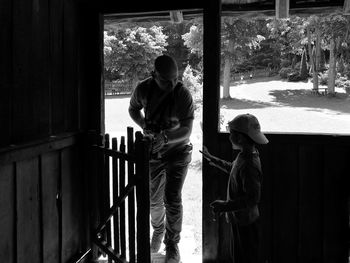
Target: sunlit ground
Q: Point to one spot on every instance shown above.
(289, 107)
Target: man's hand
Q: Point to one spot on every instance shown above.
(218, 206)
(159, 141)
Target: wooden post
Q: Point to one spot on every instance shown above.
(176, 17)
(115, 196)
(105, 193)
(282, 9)
(346, 7)
(131, 197)
(122, 205)
(94, 165)
(142, 197)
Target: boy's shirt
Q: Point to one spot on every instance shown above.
(244, 189)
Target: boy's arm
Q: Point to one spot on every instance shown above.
(216, 162)
(221, 164)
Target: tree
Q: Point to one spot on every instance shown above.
(288, 35)
(310, 24)
(193, 40)
(303, 66)
(131, 51)
(176, 47)
(335, 28)
(239, 37)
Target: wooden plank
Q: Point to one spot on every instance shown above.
(39, 67)
(211, 74)
(28, 212)
(72, 204)
(94, 169)
(282, 8)
(5, 71)
(143, 201)
(336, 210)
(115, 177)
(131, 197)
(91, 33)
(311, 159)
(50, 174)
(70, 66)
(285, 203)
(56, 66)
(22, 100)
(266, 204)
(346, 7)
(35, 148)
(7, 214)
(30, 72)
(106, 192)
(122, 206)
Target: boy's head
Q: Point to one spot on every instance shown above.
(248, 126)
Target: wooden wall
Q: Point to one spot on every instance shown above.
(45, 82)
(41, 76)
(305, 195)
(43, 216)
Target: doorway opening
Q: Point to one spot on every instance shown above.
(131, 43)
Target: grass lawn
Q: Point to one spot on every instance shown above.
(281, 107)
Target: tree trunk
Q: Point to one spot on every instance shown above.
(312, 62)
(135, 81)
(332, 68)
(318, 49)
(227, 70)
(227, 77)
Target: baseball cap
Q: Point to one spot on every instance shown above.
(249, 125)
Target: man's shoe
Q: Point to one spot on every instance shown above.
(156, 242)
(172, 254)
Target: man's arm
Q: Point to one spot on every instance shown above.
(137, 117)
(182, 133)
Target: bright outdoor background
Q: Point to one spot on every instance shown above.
(293, 74)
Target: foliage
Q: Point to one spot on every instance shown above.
(286, 63)
(323, 78)
(294, 77)
(176, 45)
(194, 38)
(284, 72)
(131, 52)
(288, 34)
(193, 81)
(239, 38)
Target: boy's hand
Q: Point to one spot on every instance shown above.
(218, 206)
(206, 154)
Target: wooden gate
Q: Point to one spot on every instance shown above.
(120, 181)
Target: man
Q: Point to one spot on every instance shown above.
(167, 117)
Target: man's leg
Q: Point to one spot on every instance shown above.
(157, 176)
(176, 174)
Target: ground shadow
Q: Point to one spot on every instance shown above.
(255, 80)
(118, 96)
(237, 104)
(304, 98)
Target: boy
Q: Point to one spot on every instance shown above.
(244, 187)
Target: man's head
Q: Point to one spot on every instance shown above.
(248, 126)
(165, 72)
